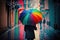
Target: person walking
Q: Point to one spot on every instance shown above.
(29, 29)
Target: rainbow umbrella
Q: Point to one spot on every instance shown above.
(31, 16)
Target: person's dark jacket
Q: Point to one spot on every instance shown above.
(29, 29)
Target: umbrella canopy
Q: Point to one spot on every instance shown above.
(31, 16)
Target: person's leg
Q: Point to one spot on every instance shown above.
(28, 39)
(31, 39)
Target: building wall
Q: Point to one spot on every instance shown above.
(3, 14)
(51, 12)
(3, 20)
(57, 13)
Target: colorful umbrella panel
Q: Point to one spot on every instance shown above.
(31, 16)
